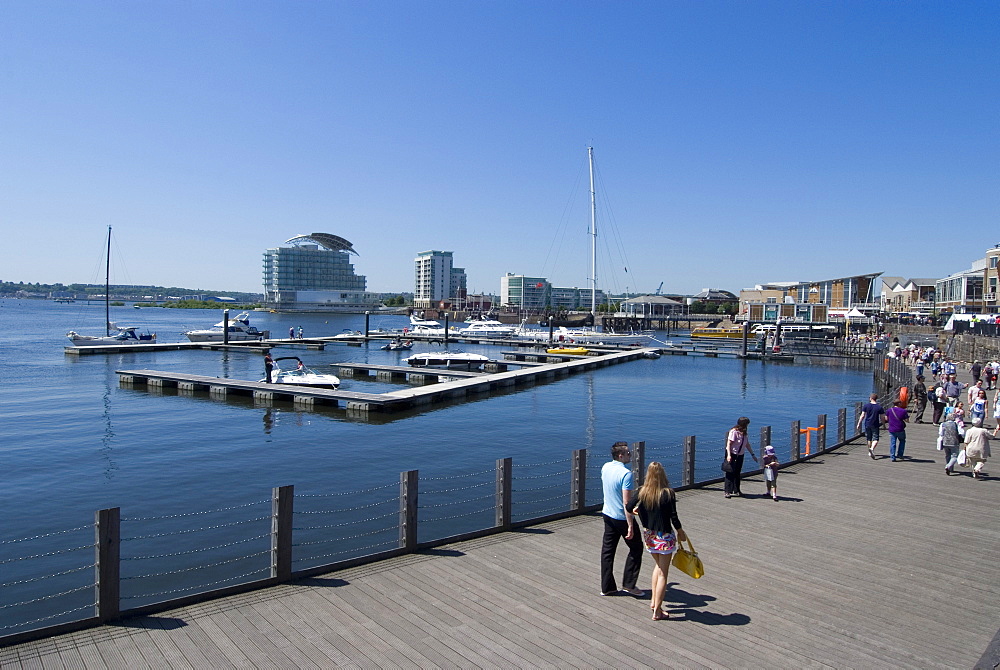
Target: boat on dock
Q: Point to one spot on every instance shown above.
(571, 351)
(450, 360)
(723, 333)
(397, 345)
(300, 375)
(240, 330)
(114, 335)
(488, 328)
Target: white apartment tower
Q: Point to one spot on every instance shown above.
(433, 278)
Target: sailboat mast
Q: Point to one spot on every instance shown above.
(107, 287)
(593, 236)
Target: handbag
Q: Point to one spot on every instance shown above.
(688, 561)
(727, 465)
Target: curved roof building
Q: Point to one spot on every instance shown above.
(315, 273)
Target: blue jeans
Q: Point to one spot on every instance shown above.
(899, 437)
(951, 456)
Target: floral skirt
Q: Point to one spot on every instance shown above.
(659, 543)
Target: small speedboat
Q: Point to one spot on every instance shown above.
(456, 360)
(397, 345)
(240, 330)
(572, 351)
(299, 375)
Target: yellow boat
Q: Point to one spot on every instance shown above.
(572, 351)
(732, 333)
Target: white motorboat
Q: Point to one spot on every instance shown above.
(300, 375)
(565, 335)
(124, 335)
(397, 345)
(114, 335)
(240, 330)
(488, 328)
(428, 328)
(451, 360)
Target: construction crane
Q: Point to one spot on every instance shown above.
(659, 288)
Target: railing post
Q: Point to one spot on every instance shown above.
(504, 470)
(107, 559)
(687, 466)
(857, 419)
(841, 425)
(765, 438)
(578, 490)
(638, 464)
(796, 441)
(821, 433)
(408, 510)
(282, 498)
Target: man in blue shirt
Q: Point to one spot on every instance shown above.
(871, 419)
(619, 523)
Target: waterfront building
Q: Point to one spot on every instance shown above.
(523, 292)
(436, 279)
(653, 306)
(314, 273)
(962, 292)
(913, 296)
(991, 275)
(715, 296)
(857, 294)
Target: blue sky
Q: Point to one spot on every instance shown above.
(736, 142)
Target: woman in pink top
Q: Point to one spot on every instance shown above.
(737, 444)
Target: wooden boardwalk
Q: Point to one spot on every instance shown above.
(863, 564)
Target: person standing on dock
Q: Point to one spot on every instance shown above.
(268, 366)
(737, 446)
(872, 417)
(291, 332)
(300, 332)
(619, 523)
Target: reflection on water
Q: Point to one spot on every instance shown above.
(108, 438)
(268, 421)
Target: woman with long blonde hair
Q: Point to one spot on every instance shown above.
(656, 508)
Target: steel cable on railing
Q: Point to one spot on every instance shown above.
(197, 586)
(348, 523)
(551, 510)
(346, 493)
(457, 502)
(54, 574)
(21, 624)
(458, 488)
(198, 567)
(533, 465)
(551, 474)
(540, 488)
(38, 537)
(348, 509)
(48, 597)
(349, 551)
(49, 553)
(468, 474)
(541, 500)
(459, 516)
(196, 530)
(195, 551)
(347, 537)
(186, 514)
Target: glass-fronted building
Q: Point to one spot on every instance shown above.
(314, 273)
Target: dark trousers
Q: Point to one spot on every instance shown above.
(938, 409)
(921, 406)
(615, 529)
(733, 478)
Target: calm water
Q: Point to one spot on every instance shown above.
(74, 441)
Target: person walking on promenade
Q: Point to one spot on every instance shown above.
(950, 436)
(977, 371)
(616, 480)
(291, 332)
(871, 419)
(938, 401)
(737, 445)
(770, 463)
(973, 393)
(953, 390)
(897, 417)
(977, 447)
(920, 395)
(977, 408)
(268, 367)
(656, 507)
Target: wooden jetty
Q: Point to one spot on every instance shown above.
(443, 384)
(865, 564)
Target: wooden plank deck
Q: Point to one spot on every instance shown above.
(863, 564)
